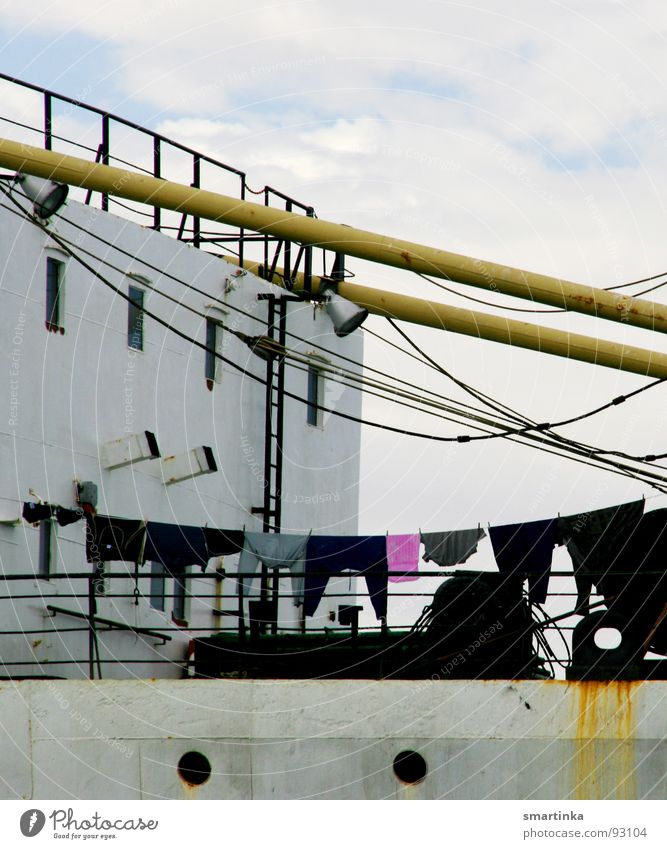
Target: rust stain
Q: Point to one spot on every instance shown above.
(406, 256)
(191, 791)
(585, 299)
(604, 759)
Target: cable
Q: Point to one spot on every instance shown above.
(233, 307)
(478, 300)
(651, 289)
(637, 282)
(527, 423)
(555, 309)
(303, 361)
(610, 465)
(614, 402)
(66, 247)
(478, 395)
(542, 623)
(548, 427)
(304, 364)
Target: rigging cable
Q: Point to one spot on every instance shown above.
(641, 475)
(547, 426)
(495, 405)
(548, 310)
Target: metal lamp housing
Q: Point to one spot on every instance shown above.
(345, 315)
(47, 196)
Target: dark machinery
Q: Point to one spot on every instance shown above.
(479, 625)
(634, 587)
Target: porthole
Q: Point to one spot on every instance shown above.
(194, 768)
(410, 767)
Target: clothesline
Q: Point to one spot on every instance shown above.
(592, 539)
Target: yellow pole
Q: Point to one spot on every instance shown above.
(520, 334)
(336, 237)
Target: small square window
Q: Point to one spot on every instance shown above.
(157, 587)
(45, 548)
(135, 319)
(180, 609)
(313, 413)
(212, 364)
(54, 295)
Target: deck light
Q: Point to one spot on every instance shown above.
(345, 315)
(47, 196)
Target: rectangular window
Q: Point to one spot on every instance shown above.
(212, 340)
(157, 586)
(45, 547)
(54, 285)
(135, 319)
(179, 610)
(313, 415)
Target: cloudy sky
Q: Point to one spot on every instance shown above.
(529, 133)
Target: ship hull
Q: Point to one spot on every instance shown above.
(334, 739)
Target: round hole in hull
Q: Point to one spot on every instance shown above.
(410, 767)
(194, 768)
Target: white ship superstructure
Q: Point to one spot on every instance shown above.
(85, 384)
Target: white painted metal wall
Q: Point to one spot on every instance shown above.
(64, 396)
(334, 739)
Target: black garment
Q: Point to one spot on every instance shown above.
(110, 538)
(594, 540)
(33, 512)
(175, 546)
(633, 580)
(219, 543)
(332, 555)
(528, 548)
(67, 517)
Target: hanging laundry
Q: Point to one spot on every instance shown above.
(403, 556)
(447, 548)
(67, 517)
(34, 512)
(175, 546)
(332, 555)
(594, 540)
(110, 538)
(634, 583)
(527, 548)
(219, 543)
(275, 551)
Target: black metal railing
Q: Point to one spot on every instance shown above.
(78, 596)
(201, 170)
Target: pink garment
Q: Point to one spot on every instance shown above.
(403, 556)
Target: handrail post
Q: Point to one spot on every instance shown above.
(275, 597)
(241, 230)
(48, 122)
(105, 156)
(196, 183)
(157, 169)
(91, 626)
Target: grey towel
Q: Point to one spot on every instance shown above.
(447, 548)
(275, 551)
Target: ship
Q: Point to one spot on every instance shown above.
(183, 358)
